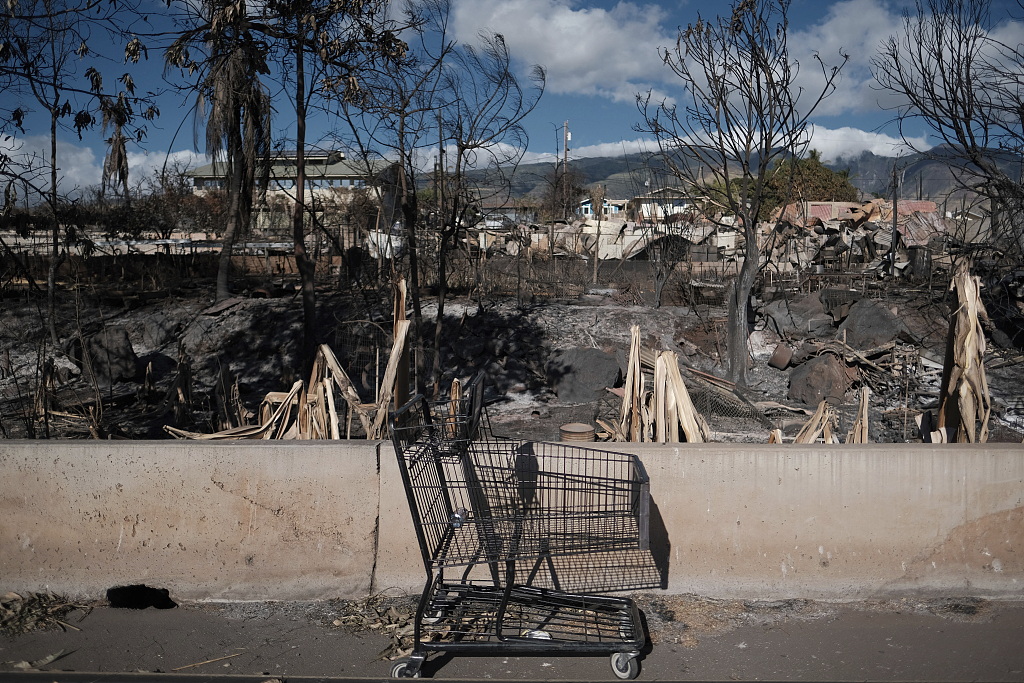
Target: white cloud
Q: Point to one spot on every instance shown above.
(614, 149)
(143, 165)
(848, 142)
(855, 28)
(614, 53)
(1009, 33)
(832, 143)
(78, 166)
(859, 28)
(585, 50)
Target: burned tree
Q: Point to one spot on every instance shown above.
(321, 48)
(742, 114)
(233, 106)
(324, 48)
(44, 45)
(395, 116)
(482, 139)
(949, 71)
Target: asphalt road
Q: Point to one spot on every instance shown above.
(887, 641)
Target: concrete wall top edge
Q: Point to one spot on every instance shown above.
(904, 448)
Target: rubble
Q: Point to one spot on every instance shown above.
(799, 317)
(213, 369)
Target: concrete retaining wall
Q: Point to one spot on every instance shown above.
(310, 520)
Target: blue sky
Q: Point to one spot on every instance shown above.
(598, 55)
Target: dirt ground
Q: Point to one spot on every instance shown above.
(252, 342)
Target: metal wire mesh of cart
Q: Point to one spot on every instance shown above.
(446, 427)
(488, 501)
(495, 502)
(468, 613)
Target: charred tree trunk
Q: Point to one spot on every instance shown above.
(56, 255)
(234, 208)
(738, 323)
(410, 213)
(305, 266)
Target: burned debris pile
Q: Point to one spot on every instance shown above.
(848, 300)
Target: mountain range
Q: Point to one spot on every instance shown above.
(921, 177)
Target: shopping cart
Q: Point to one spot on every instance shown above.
(490, 513)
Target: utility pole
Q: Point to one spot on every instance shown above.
(437, 192)
(566, 136)
(554, 203)
(441, 174)
(895, 231)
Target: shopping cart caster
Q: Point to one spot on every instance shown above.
(401, 668)
(625, 665)
(435, 616)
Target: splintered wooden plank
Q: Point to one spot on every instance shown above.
(388, 385)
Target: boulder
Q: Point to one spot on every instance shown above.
(819, 379)
(870, 324)
(580, 375)
(111, 356)
(803, 317)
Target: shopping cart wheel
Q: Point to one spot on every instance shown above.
(399, 668)
(435, 616)
(625, 665)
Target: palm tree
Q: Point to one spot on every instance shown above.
(234, 108)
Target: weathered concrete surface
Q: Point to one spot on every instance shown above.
(243, 520)
(842, 522)
(300, 520)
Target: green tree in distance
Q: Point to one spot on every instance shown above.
(805, 180)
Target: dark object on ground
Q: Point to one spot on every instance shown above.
(140, 596)
(818, 379)
(580, 375)
(781, 357)
(870, 325)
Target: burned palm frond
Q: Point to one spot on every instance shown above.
(20, 614)
(308, 411)
(630, 424)
(964, 403)
(663, 414)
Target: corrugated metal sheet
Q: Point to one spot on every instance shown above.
(822, 211)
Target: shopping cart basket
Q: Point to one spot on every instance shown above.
(487, 515)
